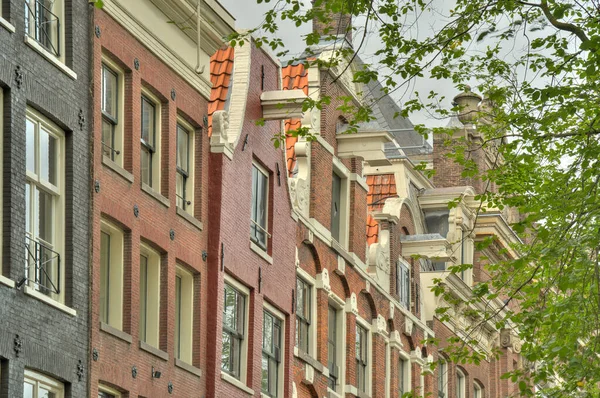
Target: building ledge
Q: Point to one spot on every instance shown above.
(50, 57)
(189, 218)
(282, 104)
(235, 382)
(261, 252)
(188, 368)
(106, 328)
(307, 358)
(368, 146)
(7, 281)
(42, 297)
(117, 169)
(155, 195)
(7, 25)
(154, 351)
(433, 246)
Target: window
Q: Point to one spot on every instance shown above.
(332, 348)
(303, 308)
(185, 167)
(105, 392)
(336, 206)
(44, 207)
(111, 129)
(271, 354)
(150, 141)
(403, 283)
(149, 296)
(43, 24)
(460, 384)
(111, 275)
(403, 376)
(477, 390)
(234, 319)
(260, 192)
(184, 314)
(37, 385)
(442, 379)
(362, 352)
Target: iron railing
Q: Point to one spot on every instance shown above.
(42, 24)
(42, 266)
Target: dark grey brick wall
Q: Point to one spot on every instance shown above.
(53, 342)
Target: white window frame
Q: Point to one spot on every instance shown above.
(281, 367)
(312, 329)
(115, 275)
(243, 290)
(38, 380)
(107, 390)
(58, 9)
(152, 303)
(186, 326)
(368, 376)
(57, 191)
(188, 202)
(461, 384)
(155, 164)
(403, 283)
(3, 279)
(339, 305)
(340, 169)
(253, 223)
(119, 136)
(443, 377)
(405, 376)
(477, 390)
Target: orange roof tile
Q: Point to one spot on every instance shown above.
(294, 77)
(221, 69)
(381, 187)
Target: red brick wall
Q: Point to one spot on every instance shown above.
(116, 201)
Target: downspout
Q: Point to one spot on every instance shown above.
(199, 68)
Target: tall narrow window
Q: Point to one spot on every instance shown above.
(43, 24)
(332, 349)
(403, 376)
(442, 379)
(184, 314)
(336, 206)
(43, 219)
(303, 308)
(149, 144)
(477, 390)
(271, 354)
(110, 114)
(403, 283)
(37, 385)
(260, 189)
(149, 296)
(460, 384)
(184, 177)
(111, 275)
(361, 358)
(234, 309)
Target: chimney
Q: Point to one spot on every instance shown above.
(338, 20)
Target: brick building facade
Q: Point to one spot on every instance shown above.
(45, 124)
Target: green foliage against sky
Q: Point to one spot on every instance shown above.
(538, 62)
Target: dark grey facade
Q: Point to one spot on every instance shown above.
(44, 318)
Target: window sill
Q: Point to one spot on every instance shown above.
(6, 281)
(261, 252)
(117, 169)
(50, 57)
(354, 391)
(332, 394)
(106, 328)
(154, 351)
(155, 195)
(42, 297)
(189, 218)
(7, 25)
(188, 368)
(309, 360)
(235, 382)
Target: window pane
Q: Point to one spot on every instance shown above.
(27, 390)
(240, 313)
(146, 160)
(268, 333)
(28, 207)
(143, 295)
(265, 374)
(108, 144)
(44, 393)
(48, 157)
(109, 92)
(30, 138)
(104, 275)
(178, 317)
(229, 308)
(226, 353)
(148, 119)
(45, 216)
(180, 190)
(182, 148)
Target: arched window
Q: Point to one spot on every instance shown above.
(442, 379)
(477, 390)
(460, 384)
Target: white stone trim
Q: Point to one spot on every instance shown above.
(261, 252)
(7, 25)
(235, 382)
(7, 281)
(42, 297)
(50, 57)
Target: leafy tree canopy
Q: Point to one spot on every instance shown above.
(544, 122)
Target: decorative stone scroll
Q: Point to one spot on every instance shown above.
(352, 304)
(380, 326)
(323, 281)
(408, 326)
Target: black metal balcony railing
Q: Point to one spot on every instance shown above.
(42, 24)
(42, 267)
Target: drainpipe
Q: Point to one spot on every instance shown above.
(199, 68)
